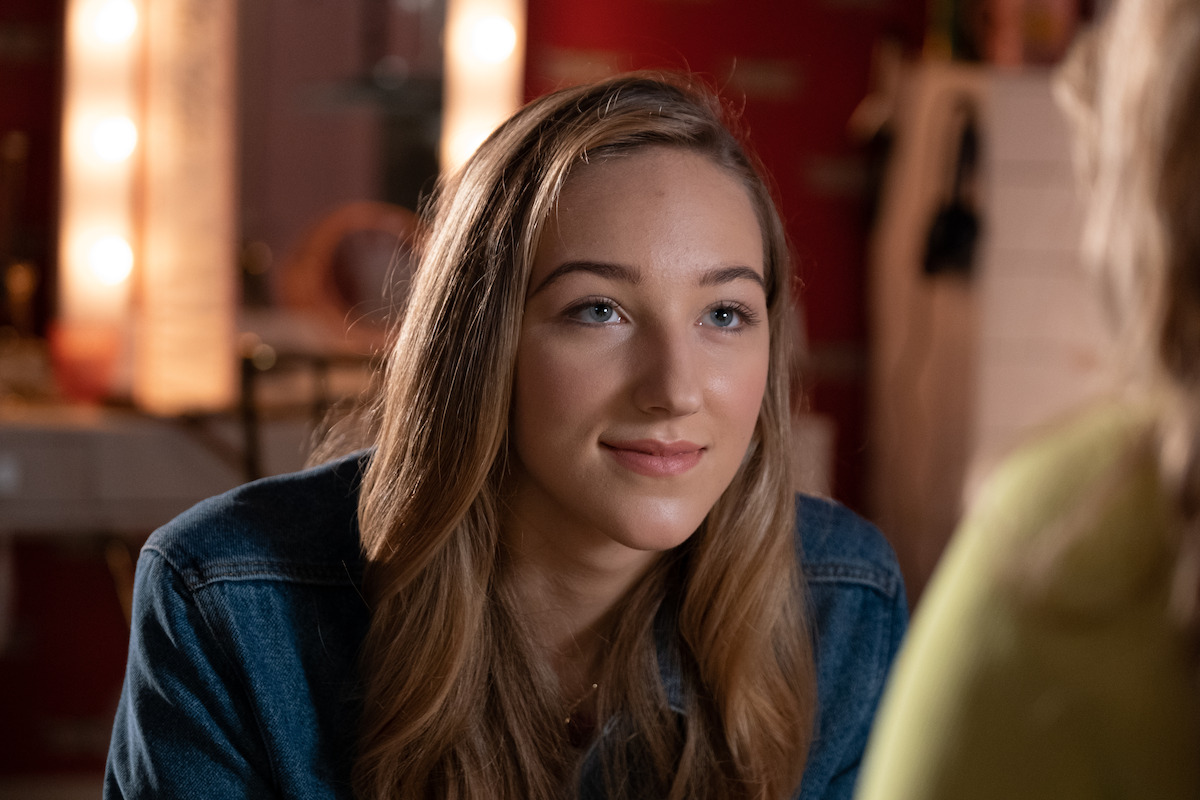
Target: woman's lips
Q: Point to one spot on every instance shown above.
(654, 458)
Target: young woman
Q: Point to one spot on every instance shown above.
(572, 563)
(1055, 653)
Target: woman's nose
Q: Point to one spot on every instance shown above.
(668, 377)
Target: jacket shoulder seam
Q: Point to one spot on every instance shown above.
(196, 577)
(863, 574)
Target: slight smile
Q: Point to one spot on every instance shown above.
(653, 458)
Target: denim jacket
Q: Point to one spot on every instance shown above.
(248, 616)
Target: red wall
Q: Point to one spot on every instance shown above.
(801, 68)
(64, 658)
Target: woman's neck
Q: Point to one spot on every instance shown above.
(566, 599)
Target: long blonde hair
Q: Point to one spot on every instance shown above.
(1135, 91)
(456, 705)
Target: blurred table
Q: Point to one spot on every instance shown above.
(70, 470)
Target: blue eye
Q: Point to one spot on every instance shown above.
(729, 315)
(723, 317)
(599, 312)
(595, 312)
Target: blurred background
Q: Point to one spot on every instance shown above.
(206, 209)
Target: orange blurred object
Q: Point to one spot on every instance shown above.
(84, 356)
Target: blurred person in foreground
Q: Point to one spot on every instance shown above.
(572, 564)
(1055, 652)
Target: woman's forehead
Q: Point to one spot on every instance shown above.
(655, 203)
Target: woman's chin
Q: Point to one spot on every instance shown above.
(658, 529)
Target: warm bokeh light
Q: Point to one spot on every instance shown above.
(485, 40)
(491, 39)
(110, 258)
(114, 21)
(97, 194)
(147, 184)
(467, 140)
(114, 139)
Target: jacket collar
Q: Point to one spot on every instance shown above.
(666, 645)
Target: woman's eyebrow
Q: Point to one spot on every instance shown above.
(616, 272)
(620, 272)
(722, 275)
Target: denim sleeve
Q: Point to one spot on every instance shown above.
(851, 674)
(860, 614)
(183, 726)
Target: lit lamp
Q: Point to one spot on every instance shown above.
(90, 338)
(147, 243)
(485, 44)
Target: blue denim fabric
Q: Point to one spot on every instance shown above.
(241, 678)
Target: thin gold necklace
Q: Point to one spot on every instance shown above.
(582, 699)
(581, 726)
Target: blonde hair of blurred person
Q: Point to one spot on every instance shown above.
(1055, 653)
(457, 701)
(1134, 93)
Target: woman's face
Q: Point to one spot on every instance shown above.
(643, 356)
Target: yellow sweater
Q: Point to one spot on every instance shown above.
(1042, 661)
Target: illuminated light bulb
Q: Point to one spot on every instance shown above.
(492, 39)
(114, 138)
(111, 259)
(115, 21)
